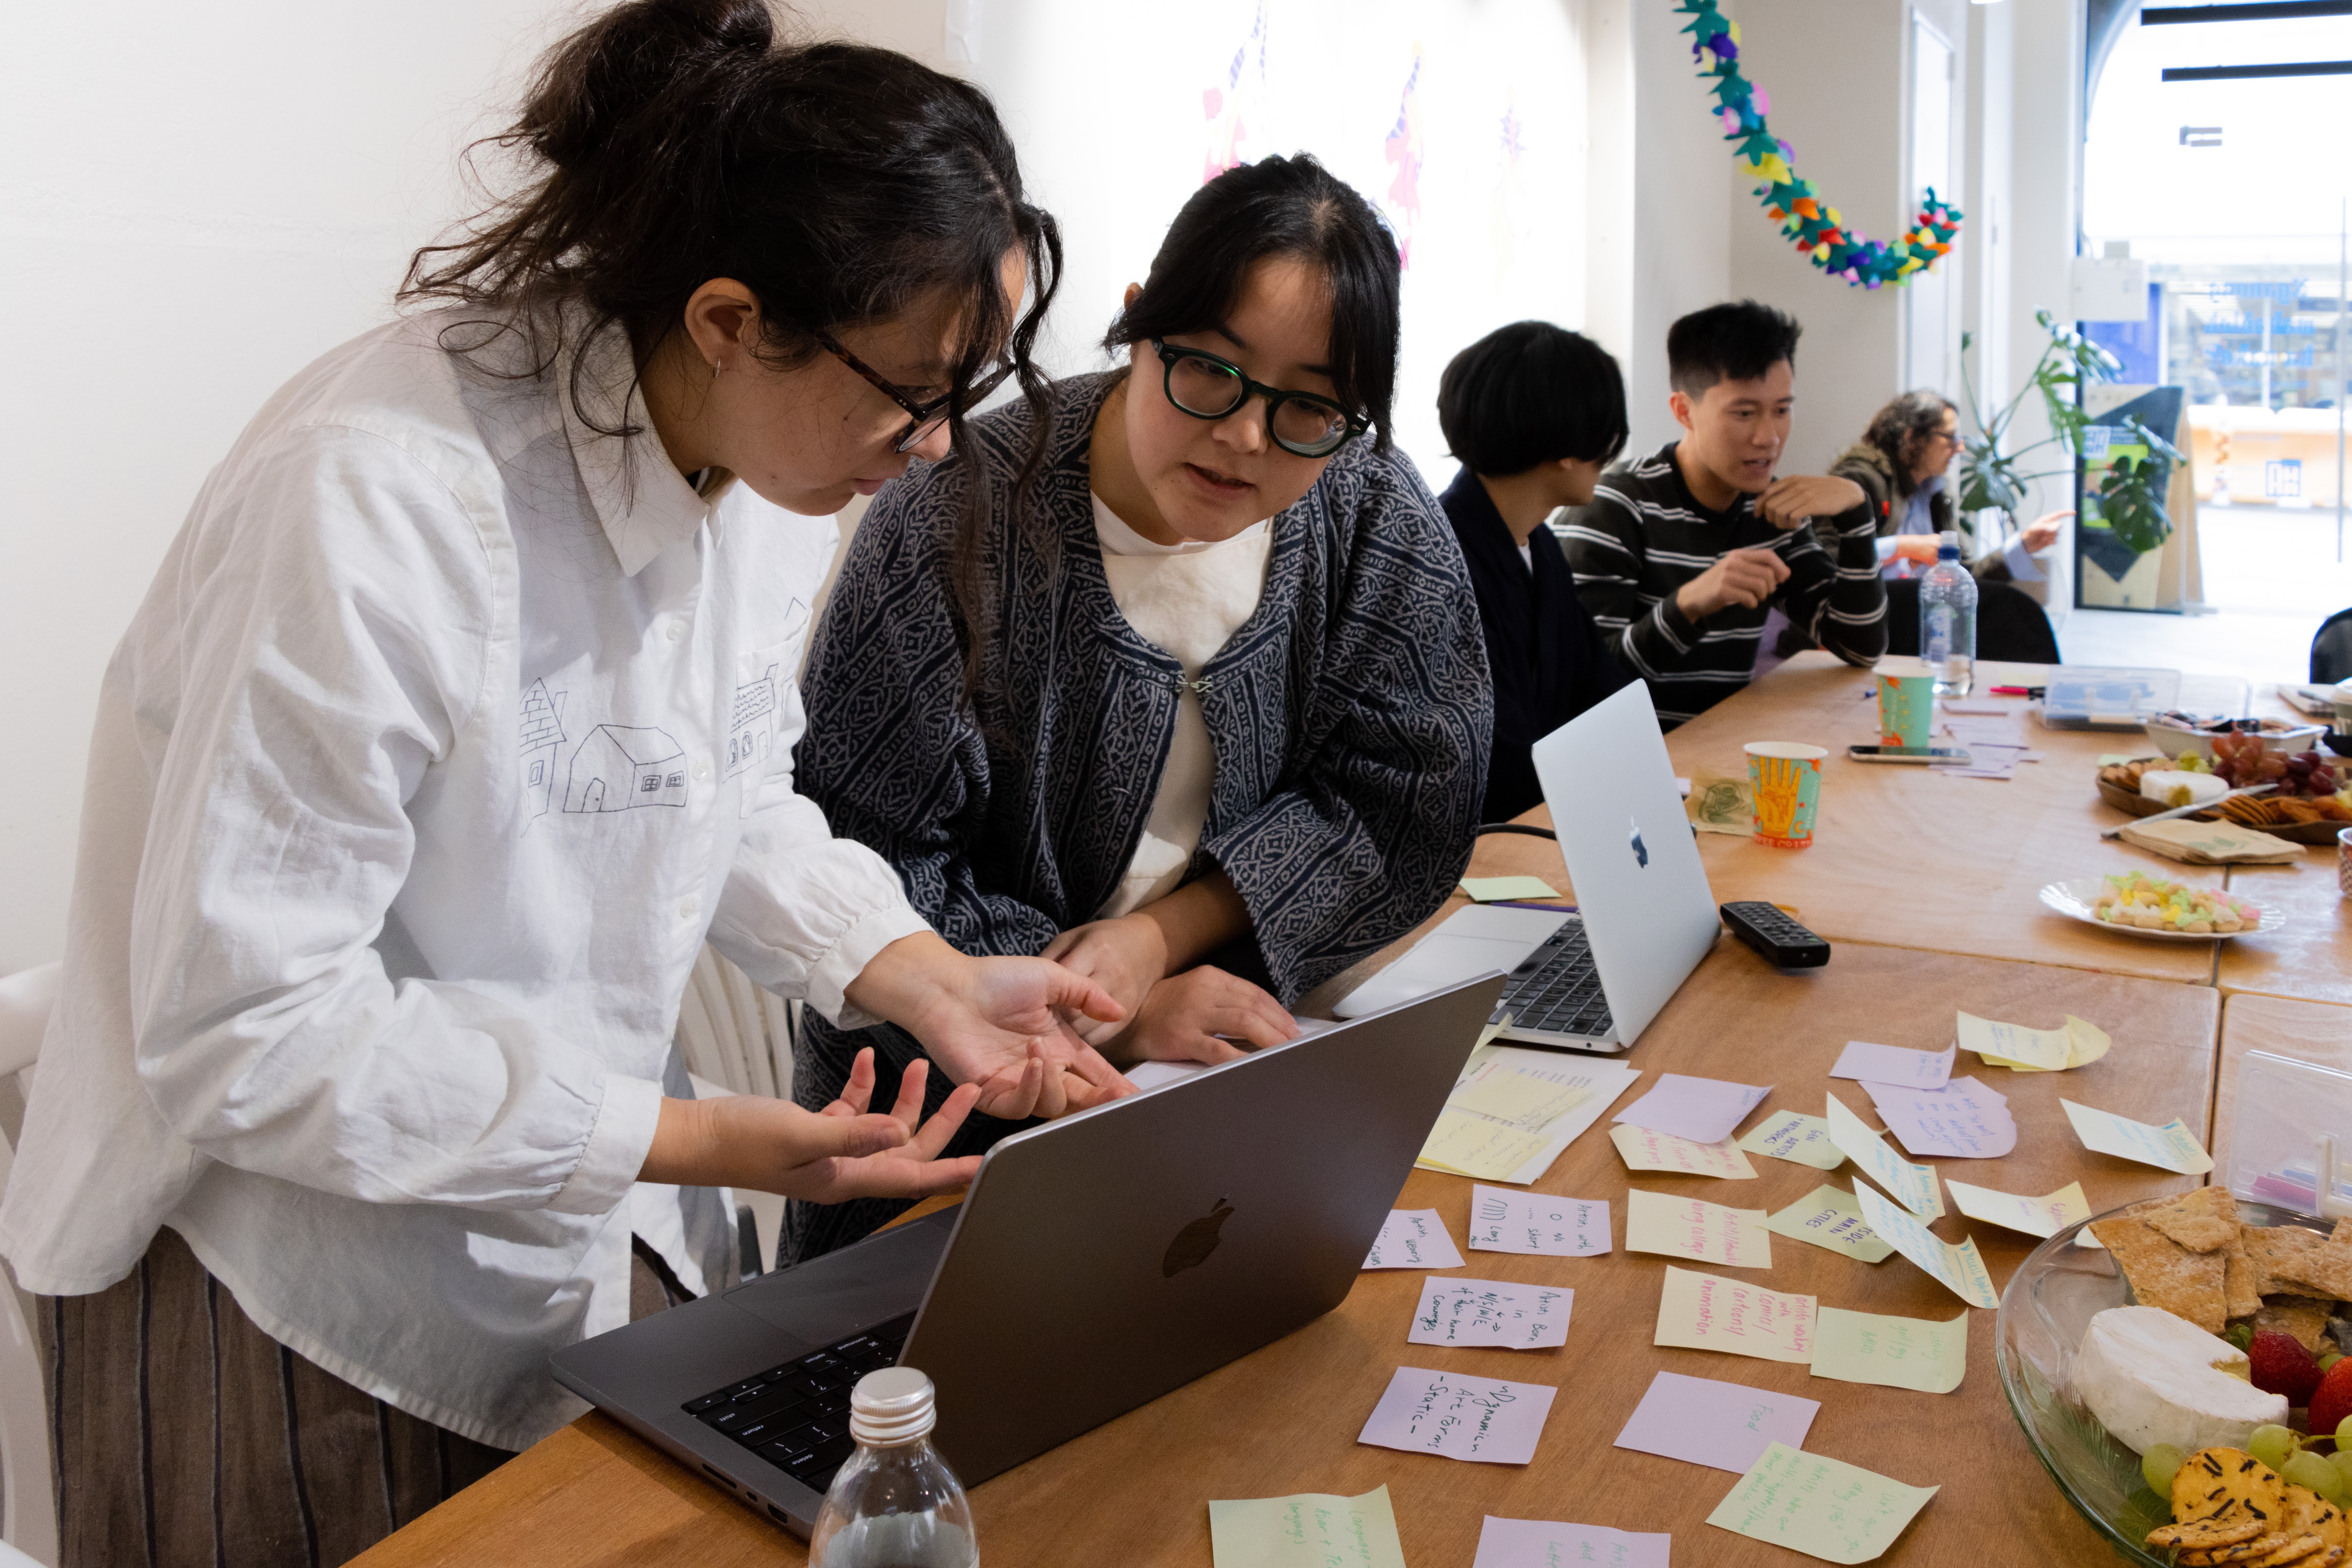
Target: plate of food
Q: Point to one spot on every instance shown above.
(2140, 905)
(2180, 734)
(2176, 1367)
(2310, 800)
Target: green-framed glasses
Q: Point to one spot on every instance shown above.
(1207, 387)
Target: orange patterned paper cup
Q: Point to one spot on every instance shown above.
(1784, 780)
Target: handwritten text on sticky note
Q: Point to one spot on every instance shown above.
(1503, 1221)
(1706, 1312)
(1482, 1419)
(1821, 1507)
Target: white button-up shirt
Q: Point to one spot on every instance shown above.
(448, 731)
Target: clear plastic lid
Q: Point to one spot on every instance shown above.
(2291, 1117)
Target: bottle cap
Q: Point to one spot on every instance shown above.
(1947, 544)
(892, 1405)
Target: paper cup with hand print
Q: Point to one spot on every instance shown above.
(1907, 704)
(1784, 779)
(2344, 860)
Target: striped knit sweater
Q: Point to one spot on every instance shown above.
(1644, 535)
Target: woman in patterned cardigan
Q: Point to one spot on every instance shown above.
(1200, 705)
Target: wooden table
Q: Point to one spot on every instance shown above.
(2311, 958)
(2306, 1031)
(1284, 1419)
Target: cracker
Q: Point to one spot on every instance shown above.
(2301, 1316)
(2229, 1485)
(2203, 1535)
(2294, 1550)
(2241, 1292)
(2197, 1232)
(2276, 1246)
(2165, 1275)
(2322, 1270)
(2245, 1553)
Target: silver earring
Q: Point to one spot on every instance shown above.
(715, 367)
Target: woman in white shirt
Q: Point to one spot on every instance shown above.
(458, 717)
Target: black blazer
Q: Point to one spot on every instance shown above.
(1547, 658)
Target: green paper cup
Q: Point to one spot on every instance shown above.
(1907, 704)
(1784, 780)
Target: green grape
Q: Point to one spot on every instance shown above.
(2342, 1460)
(2344, 1436)
(2330, 1358)
(2320, 1474)
(2272, 1444)
(2157, 1465)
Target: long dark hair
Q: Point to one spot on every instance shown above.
(1903, 427)
(679, 140)
(1280, 206)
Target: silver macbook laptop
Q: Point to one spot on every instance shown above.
(1594, 980)
(1098, 1262)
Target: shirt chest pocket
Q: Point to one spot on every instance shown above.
(765, 717)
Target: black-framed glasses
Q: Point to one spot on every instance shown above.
(924, 420)
(1207, 387)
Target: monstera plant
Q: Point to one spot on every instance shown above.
(1993, 474)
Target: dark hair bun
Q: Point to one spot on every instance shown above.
(639, 56)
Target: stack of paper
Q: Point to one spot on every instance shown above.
(1514, 1109)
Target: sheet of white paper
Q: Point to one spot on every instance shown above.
(1963, 1119)
(1701, 1109)
(1482, 1420)
(1706, 1421)
(1492, 1313)
(1535, 1223)
(1605, 1080)
(1414, 1238)
(1540, 1543)
(1894, 1064)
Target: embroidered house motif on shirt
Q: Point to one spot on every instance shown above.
(617, 767)
(542, 733)
(751, 730)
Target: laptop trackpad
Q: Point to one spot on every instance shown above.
(827, 1298)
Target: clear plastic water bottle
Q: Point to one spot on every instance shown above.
(1948, 620)
(894, 1504)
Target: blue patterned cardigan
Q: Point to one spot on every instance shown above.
(1350, 715)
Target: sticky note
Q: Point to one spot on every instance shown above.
(1901, 1352)
(1821, 1507)
(1892, 1063)
(1521, 1098)
(1700, 1231)
(1488, 890)
(1830, 1218)
(2073, 1044)
(2170, 1147)
(1793, 1136)
(1599, 1082)
(1482, 1419)
(1540, 1543)
(1960, 1269)
(1963, 1119)
(1492, 1313)
(1725, 1425)
(1705, 1312)
(1643, 1149)
(1533, 1223)
(1414, 1238)
(1914, 1187)
(1311, 1529)
(1471, 1145)
(2043, 1216)
(1702, 1110)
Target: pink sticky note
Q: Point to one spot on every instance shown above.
(1702, 1109)
(1540, 1543)
(1893, 1065)
(1963, 1119)
(1725, 1424)
(1482, 1419)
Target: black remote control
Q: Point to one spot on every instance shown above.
(1783, 943)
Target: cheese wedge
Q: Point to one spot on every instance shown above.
(2152, 1378)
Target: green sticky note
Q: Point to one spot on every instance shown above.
(1795, 1137)
(1901, 1352)
(1311, 1529)
(1829, 1217)
(2170, 1147)
(1914, 1187)
(1821, 1507)
(1487, 890)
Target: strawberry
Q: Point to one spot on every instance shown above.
(2280, 1365)
(2333, 1401)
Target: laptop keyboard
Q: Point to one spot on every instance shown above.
(796, 1415)
(1558, 990)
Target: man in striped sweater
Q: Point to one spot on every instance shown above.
(1684, 553)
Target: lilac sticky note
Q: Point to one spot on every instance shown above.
(1702, 1109)
(1963, 1119)
(1540, 1543)
(1725, 1425)
(1893, 1065)
(1484, 1419)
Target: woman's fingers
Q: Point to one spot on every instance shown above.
(944, 1124)
(847, 1137)
(910, 1107)
(1068, 991)
(1053, 1100)
(858, 1093)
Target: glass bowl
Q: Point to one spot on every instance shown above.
(2047, 1306)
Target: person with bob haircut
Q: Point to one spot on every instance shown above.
(1534, 412)
(1202, 711)
(458, 717)
(1683, 554)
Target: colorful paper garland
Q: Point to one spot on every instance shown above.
(1790, 201)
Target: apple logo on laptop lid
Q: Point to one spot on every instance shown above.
(1195, 1241)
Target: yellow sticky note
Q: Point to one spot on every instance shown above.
(2034, 1216)
(2170, 1147)
(1479, 1146)
(1821, 1507)
(2076, 1043)
(1519, 1098)
(1706, 1312)
(1961, 1270)
(1914, 1187)
(1647, 1149)
(1311, 1529)
(1795, 1137)
(1830, 1218)
(1901, 1352)
(1700, 1231)
(1488, 890)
